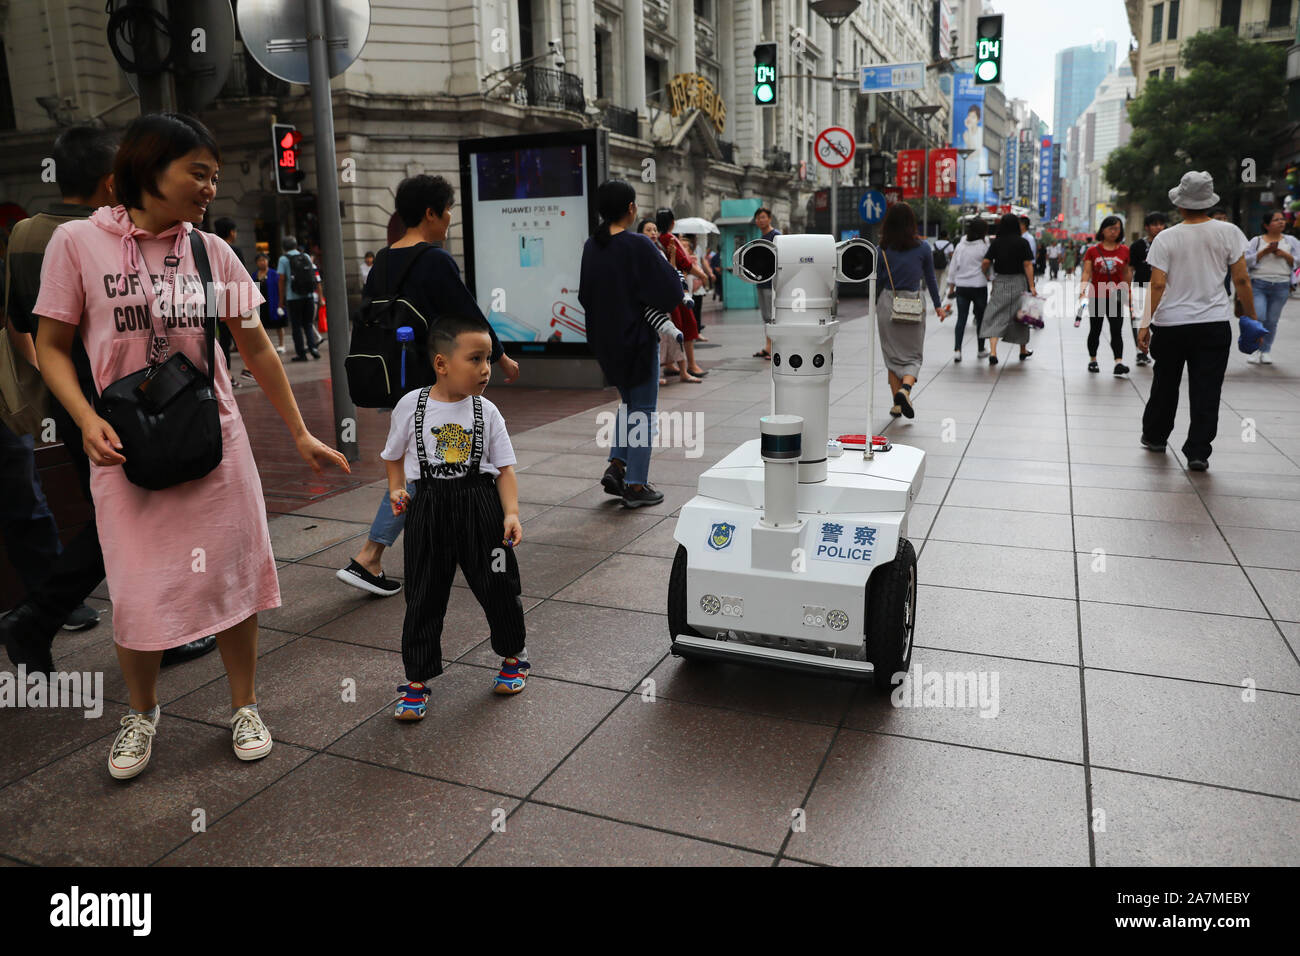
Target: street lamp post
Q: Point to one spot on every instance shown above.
(964, 154)
(835, 12)
(927, 110)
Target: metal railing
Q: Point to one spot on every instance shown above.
(619, 120)
(777, 160)
(1263, 30)
(554, 88)
(247, 79)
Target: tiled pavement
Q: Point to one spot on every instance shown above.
(1142, 622)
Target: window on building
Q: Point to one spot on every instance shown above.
(704, 9)
(6, 93)
(525, 9)
(1169, 73)
(1157, 22)
(1230, 15)
(1279, 13)
(1172, 32)
(654, 80)
(1153, 75)
(602, 57)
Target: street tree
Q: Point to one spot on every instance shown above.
(1220, 116)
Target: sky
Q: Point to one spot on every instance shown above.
(1034, 30)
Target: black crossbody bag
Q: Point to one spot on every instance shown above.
(167, 414)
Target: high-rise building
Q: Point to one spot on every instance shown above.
(1079, 71)
(1101, 129)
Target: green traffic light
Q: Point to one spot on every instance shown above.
(987, 71)
(763, 93)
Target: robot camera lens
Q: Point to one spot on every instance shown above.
(819, 360)
(796, 361)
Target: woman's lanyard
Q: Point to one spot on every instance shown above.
(159, 309)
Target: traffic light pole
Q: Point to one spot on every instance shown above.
(331, 228)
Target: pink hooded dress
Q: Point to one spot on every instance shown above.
(193, 559)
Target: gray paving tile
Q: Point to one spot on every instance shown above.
(30, 738)
(1154, 822)
(310, 597)
(282, 676)
(894, 801)
(1244, 512)
(1280, 591)
(1246, 484)
(1115, 477)
(1006, 625)
(591, 645)
(358, 505)
(590, 529)
(1198, 732)
(969, 493)
(633, 581)
(1226, 469)
(658, 541)
(1181, 585)
(1133, 456)
(999, 704)
(550, 489)
(546, 836)
(990, 568)
(351, 823)
(754, 690)
(294, 536)
(1144, 505)
(72, 813)
(701, 771)
(1187, 645)
(1022, 529)
(933, 491)
(461, 738)
(1029, 472)
(1187, 541)
(594, 498)
(1038, 450)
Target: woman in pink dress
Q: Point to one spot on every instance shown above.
(195, 558)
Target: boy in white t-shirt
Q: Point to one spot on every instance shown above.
(450, 467)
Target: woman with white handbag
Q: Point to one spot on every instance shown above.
(900, 305)
(1012, 264)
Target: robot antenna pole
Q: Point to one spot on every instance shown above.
(868, 453)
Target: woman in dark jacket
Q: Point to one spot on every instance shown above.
(624, 275)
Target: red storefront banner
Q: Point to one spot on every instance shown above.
(943, 173)
(910, 162)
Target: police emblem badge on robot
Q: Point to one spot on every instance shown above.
(720, 536)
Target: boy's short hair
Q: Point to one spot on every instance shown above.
(83, 155)
(448, 328)
(223, 227)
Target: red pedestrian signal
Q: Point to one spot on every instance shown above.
(285, 139)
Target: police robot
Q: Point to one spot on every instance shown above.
(794, 553)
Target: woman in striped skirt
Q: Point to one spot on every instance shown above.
(1012, 264)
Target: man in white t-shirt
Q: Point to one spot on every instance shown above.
(1192, 316)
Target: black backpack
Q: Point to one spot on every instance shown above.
(377, 376)
(940, 258)
(302, 275)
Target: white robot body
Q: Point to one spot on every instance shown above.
(778, 548)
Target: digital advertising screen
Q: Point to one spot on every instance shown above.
(529, 209)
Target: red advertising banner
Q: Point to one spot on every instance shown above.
(910, 162)
(892, 195)
(943, 173)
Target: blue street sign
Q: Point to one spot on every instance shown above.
(887, 77)
(872, 206)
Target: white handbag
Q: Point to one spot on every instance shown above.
(908, 306)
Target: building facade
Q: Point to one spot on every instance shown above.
(1101, 129)
(670, 79)
(1161, 26)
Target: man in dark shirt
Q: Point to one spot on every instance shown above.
(1137, 260)
(434, 287)
(767, 230)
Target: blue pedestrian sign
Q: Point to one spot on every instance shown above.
(872, 206)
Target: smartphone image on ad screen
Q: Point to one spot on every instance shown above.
(530, 252)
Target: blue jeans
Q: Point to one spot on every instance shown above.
(30, 534)
(1269, 299)
(387, 526)
(637, 420)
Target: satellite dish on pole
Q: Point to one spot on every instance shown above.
(275, 35)
(201, 46)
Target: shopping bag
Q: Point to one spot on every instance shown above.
(1030, 310)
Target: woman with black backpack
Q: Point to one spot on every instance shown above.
(431, 283)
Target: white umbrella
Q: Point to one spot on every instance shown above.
(694, 226)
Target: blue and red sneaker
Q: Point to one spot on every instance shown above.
(413, 704)
(512, 676)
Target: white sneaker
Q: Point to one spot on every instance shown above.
(280, 349)
(984, 353)
(252, 739)
(956, 356)
(1265, 358)
(134, 744)
(1255, 359)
